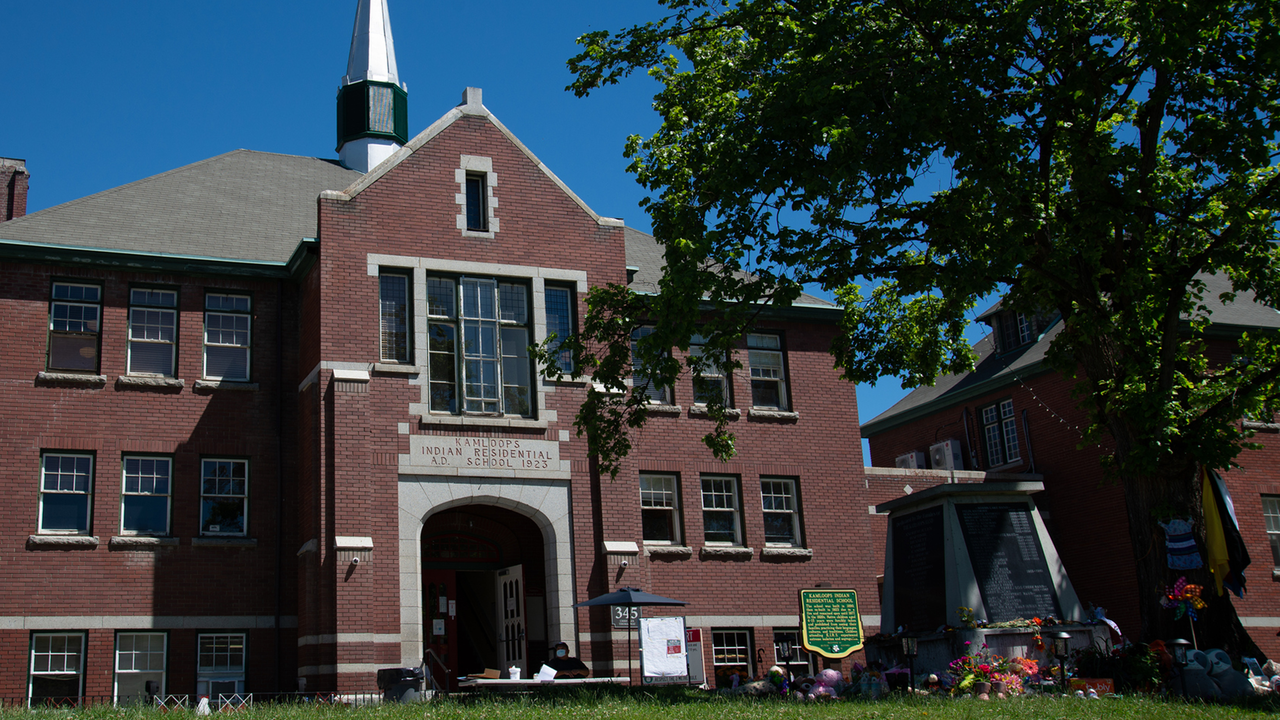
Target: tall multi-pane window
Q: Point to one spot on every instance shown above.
(768, 377)
(153, 328)
(75, 321)
(659, 509)
(731, 657)
(560, 306)
(640, 377)
(1271, 513)
(394, 317)
(781, 511)
(144, 504)
(491, 365)
(140, 658)
(224, 497)
(220, 664)
(57, 669)
(1000, 433)
(721, 522)
(226, 336)
(712, 386)
(66, 493)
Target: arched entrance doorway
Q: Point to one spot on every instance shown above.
(484, 589)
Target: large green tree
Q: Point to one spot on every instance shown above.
(1090, 157)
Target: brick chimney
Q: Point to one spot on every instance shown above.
(13, 188)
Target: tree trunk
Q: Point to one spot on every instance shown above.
(1175, 491)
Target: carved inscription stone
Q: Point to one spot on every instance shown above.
(1008, 561)
(498, 457)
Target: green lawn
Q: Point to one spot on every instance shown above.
(682, 704)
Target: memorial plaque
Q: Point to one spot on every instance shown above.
(829, 622)
(919, 571)
(1008, 562)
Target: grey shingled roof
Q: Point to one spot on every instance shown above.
(242, 205)
(644, 253)
(991, 371)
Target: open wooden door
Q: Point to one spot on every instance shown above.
(511, 620)
(440, 626)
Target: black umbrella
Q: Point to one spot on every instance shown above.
(630, 597)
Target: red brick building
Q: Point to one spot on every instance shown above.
(1012, 414)
(268, 418)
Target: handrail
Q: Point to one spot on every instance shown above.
(427, 670)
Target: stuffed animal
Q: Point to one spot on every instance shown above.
(1230, 681)
(1196, 677)
(778, 678)
(825, 685)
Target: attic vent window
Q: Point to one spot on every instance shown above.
(382, 117)
(476, 199)
(476, 215)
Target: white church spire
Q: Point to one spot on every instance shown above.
(372, 102)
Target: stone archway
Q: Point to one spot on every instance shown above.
(544, 502)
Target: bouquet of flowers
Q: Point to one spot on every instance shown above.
(980, 666)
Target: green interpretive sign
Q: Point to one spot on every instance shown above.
(829, 622)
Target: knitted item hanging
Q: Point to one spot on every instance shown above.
(1180, 545)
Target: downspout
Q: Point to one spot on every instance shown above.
(279, 478)
(968, 441)
(1031, 453)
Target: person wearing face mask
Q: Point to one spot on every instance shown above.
(565, 665)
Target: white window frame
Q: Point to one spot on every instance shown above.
(207, 497)
(660, 493)
(656, 394)
(712, 376)
(60, 488)
(215, 646)
(128, 660)
(55, 663)
(1000, 434)
(400, 336)
(767, 364)
(75, 311)
(725, 496)
(237, 309)
(153, 480)
(1271, 515)
(800, 658)
(150, 316)
(731, 647)
(778, 497)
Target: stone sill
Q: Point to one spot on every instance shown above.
(225, 385)
(1261, 426)
(397, 369)
(786, 553)
(726, 553)
(144, 382)
(778, 415)
(224, 542)
(68, 378)
(140, 542)
(668, 551)
(61, 542)
(489, 421)
(701, 411)
(660, 409)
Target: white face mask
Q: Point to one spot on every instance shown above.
(561, 652)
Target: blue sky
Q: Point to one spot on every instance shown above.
(105, 93)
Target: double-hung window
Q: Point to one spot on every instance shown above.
(768, 376)
(1271, 513)
(224, 497)
(1000, 432)
(57, 669)
(144, 506)
(153, 327)
(66, 493)
(393, 290)
(731, 657)
(560, 307)
(659, 509)
(639, 375)
(75, 321)
(140, 659)
(711, 387)
(721, 519)
(789, 654)
(226, 336)
(781, 512)
(491, 364)
(220, 667)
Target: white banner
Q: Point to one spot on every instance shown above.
(662, 647)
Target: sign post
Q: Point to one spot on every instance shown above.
(829, 622)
